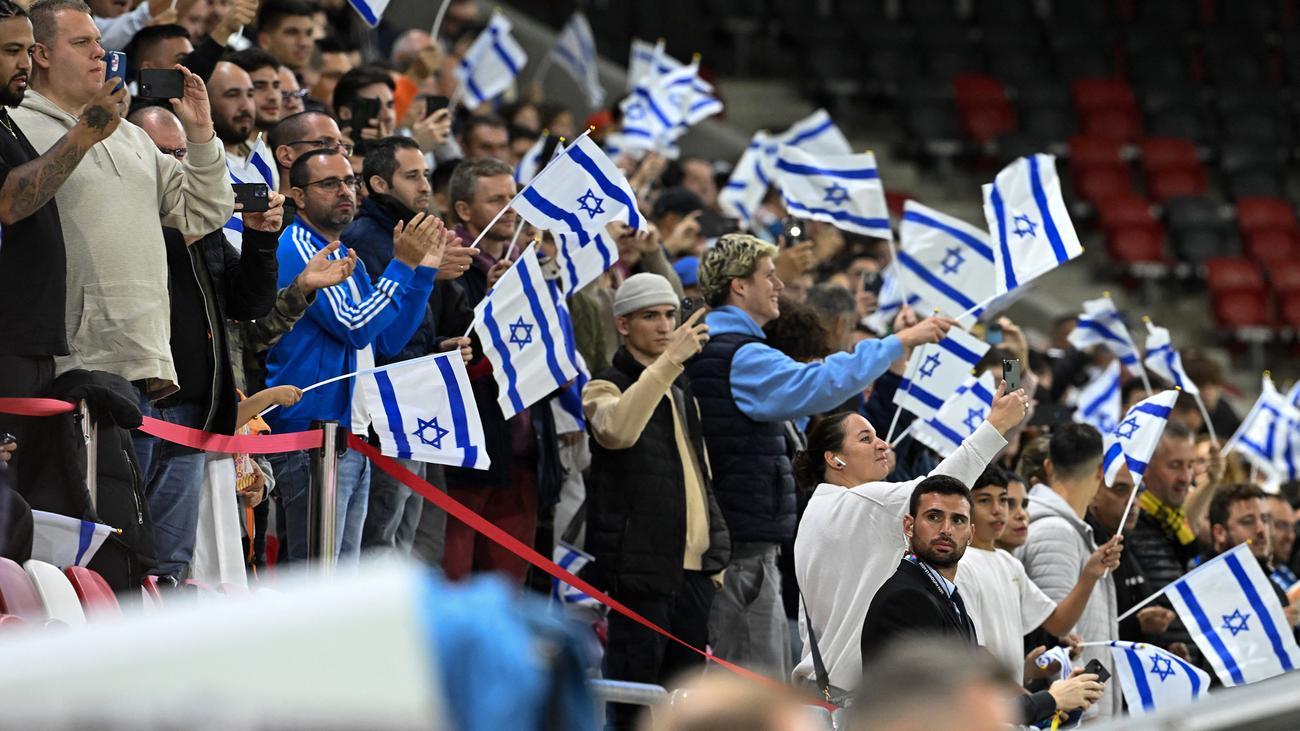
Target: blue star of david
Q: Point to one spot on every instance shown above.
(590, 203)
(438, 432)
(952, 261)
(1127, 428)
(1236, 622)
(1105, 424)
(517, 327)
(973, 419)
(929, 366)
(636, 111)
(1162, 667)
(1025, 226)
(836, 195)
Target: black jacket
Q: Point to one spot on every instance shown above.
(1131, 585)
(910, 602)
(636, 497)
(1162, 560)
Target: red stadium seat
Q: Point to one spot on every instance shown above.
(1284, 276)
(1272, 247)
(1232, 274)
(1289, 310)
(1095, 94)
(1086, 152)
(1125, 209)
(1241, 309)
(17, 595)
(1136, 244)
(978, 90)
(988, 122)
(1175, 182)
(97, 597)
(1098, 183)
(1261, 214)
(1164, 153)
(1121, 125)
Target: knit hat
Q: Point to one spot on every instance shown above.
(640, 291)
(688, 270)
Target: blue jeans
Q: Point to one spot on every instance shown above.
(172, 476)
(293, 483)
(394, 512)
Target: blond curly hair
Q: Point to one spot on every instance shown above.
(734, 256)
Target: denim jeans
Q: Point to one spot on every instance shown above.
(393, 513)
(293, 483)
(173, 483)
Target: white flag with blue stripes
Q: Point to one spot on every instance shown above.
(424, 410)
(936, 370)
(370, 11)
(1102, 324)
(1263, 437)
(959, 417)
(748, 184)
(1231, 610)
(1134, 440)
(536, 159)
(647, 59)
(815, 134)
(946, 261)
(843, 190)
(662, 107)
(567, 406)
(1028, 221)
(491, 63)
(575, 52)
(1164, 360)
(66, 541)
(1101, 401)
(1154, 679)
(524, 337)
(258, 167)
(573, 560)
(890, 300)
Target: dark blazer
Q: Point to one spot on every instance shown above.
(909, 602)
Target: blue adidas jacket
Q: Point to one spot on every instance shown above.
(344, 319)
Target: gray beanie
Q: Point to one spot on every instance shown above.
(640, 291)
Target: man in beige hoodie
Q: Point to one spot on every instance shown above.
(114, 205)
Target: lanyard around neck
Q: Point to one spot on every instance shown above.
(931, 574)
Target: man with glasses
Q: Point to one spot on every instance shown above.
(338, 334)
(292, 95)
(301, 133)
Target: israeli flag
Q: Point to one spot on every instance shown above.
(1293, 395)
(1060, 656)
(815, 134)
(575, 52)
(424, 409)
(370, 10)
(1263, 437)
(651, 59)
(843, 190)
(544, 150)
(66, 541)
(937, 370)
(1232, 612)
(567, 406)
(1164, 361)
(523, 336)
(1029, 222)
(959, 417)
(1102, 324)
(1100, 401)
(663, 106)
(258, 167)
(946, 261)
(1136, 437)
(491, 63)
(748, 184)
(573, 560)
(1154, 679)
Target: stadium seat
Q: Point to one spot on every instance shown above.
(1082, 16)
(1160, 67)
(1271, 247)
(1166, 15)
(1196, 231)
(1096, 183)
(1136, 244)
(1087, 152)
(1183, 121)
(97, 598)
(1125, 210)
(987, 123)
(978, 90)
(1289, 310)
(1254, 127)
(1174, 182)
(1102, 94)
(1254, 183)
(931, 11)
(1163, 153)
(1046, 123)
(1242, 309)
(1265, 214)
(17, 595)
(1230, 274)
(1041, 94)
(57, 595)
(1123, 125)
(1284, 276)
(1249, 16)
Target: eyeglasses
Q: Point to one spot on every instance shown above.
(288, 96)
(177, 152)
(326, 143)
(331, 185)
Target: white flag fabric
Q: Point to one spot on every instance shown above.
(959, 417)
(65, 541)
(1154, 679)
(815, 134)
(1232, 612)
(843, 190)
(567, 406)
(523, 336)
(370, 10)
(491, 63)
(1101, 401)
(663, 106)
(258, 167)
(1263, 436)
(575, 52)
(646, 59)
(748, 184)
(1102, 324)
(935, 372)
(532, 163)
(1060, 656)
(1136, 437)
(890, 300)
(946, 261)
(1028, 221)
(573, 559)
(424, 410)
(1164, 361)
(1293, 395)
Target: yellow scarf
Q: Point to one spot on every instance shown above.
(1172, 520)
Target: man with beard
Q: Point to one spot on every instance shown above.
(32, 257)
(264, 71)
(231, 91)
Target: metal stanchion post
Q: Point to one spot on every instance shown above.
(322, 501)
(89, 436)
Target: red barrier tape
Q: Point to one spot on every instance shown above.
(35, 406)
(472, 519)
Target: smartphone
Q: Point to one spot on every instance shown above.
(793, 230)
(254, 197)
(689, 306)
(364, 112)
(1011, 374)
(435, 103)
(1095, 667)
(993, 333)
(712, 226)
(161, 84)
(872, 282)
(115, 67)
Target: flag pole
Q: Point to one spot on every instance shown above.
(437, 19)
(1146, 601)
(368, 371)
(1124, 519)
(1141, 365)
(978, 306)
(911, 371)
(902, 434)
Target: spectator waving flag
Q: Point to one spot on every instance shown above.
(959, 416)
(1100, 401)
(574, 198)
(1263, 437)
(1135, 438)
(523, 336)
(815, 134)
(491, 63)
(544, 150)
(946, 261)
(843, 190)
(936, 371)
(256, 168)
(424, 410)
(1102, 324)
(1164, 361)
(1154, 679)
(744, 191)
(575, 52)
(1233, 614)
(65, 541)
(370, 10)
(663, 106)
(1028, 221)
(567, 407)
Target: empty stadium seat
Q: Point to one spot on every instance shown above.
(1121, 124)
(1096, 183)
(1136, 244)
(17, 595)
(1125, 210)
(978, 89)
(1289, 310)
(987, 123)
(1271, 247)
(1230, 273)
(1284, 276)
(1265, 214)
(1163, 153)
(57, 595)
(97, 597)
(1196, 230)
(1174, 182)
(1242, 309)
(1101, 93)
(1087, 151)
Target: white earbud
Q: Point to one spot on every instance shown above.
(839, 462)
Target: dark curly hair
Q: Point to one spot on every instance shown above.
(798, 332)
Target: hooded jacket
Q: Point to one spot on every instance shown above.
(112, 209)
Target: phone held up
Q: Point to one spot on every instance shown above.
(1011, 374)
(689, 306)
(161, 84)
(253, 197)
(435, 103)
(872, 282)
(793, 230)
(115, 67)
(1095, 667)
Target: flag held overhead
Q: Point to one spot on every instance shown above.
(842, 190)
(1028, 222)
